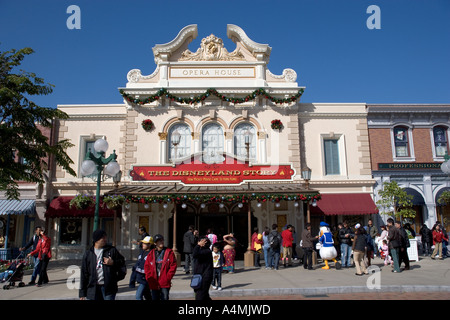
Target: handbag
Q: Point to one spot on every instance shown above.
(196, 281)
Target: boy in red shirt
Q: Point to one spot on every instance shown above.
(288, 238)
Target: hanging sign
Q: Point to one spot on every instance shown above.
(230, 171)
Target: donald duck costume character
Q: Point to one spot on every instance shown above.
(327, 250)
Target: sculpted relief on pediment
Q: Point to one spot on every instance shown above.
(212, 49)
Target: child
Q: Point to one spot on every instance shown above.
(385, 253)
(218, 259)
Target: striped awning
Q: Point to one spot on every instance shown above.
(17, 207)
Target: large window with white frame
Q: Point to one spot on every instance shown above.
(401, 142)
(212, 142)
(179, 139)
(245, 138)
(331, 156)
(440, 141)
(86, 145)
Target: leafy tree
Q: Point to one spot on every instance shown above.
(395, 201)
(20, 119)
(444, 198)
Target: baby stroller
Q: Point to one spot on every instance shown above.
(17, 273)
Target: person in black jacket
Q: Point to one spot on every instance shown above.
(346, 235)
(427, 239)
(102, 268)
(188, 247)
(33, 244)
(204, 266)
(403, 254)
(143, 290)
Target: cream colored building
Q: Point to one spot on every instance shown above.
(212, 107)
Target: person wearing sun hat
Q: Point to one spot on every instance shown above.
(143, 290)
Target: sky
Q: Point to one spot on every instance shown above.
(327, 42)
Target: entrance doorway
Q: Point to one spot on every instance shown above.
(222, 219)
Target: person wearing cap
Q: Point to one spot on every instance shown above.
(102, 268)
(160, 267)
(143, 290)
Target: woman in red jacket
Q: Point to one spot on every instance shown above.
(44, 251)
(160, 267)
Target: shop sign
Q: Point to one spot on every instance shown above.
(230, 171)
(404, 166)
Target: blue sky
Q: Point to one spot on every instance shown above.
(336, 57)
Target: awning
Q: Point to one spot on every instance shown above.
(417, 199)
(60, 207)
(17, 207)
(290, 191)
(345, 204)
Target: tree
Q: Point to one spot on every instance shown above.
(20, 119)
(444, 198)
(395, 200)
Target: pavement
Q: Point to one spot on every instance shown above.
(426, 279)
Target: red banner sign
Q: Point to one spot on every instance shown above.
(231, 171)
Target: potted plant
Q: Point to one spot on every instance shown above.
(276, 124)
(147, 124)
(114, 201)
(82, 201)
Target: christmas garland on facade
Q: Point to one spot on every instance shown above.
(243, 198)
(210, 92)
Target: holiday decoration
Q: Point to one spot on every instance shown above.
(210, 92)
(276, 124)
(147, 124)
(82, 201)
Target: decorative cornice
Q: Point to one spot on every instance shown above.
(186, 34)
(288, 75)
(236, 33)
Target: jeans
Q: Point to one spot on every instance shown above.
(257, 259)
(36, 269)
(143, 291)
(395, 257)
(266, 257)
(217, 277)
(100, 294)
(162, 294)
(346, 253)
(274, 257)
(307, 258)
(188, 260)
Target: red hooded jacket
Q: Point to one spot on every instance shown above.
(168, 269)
(43, 248)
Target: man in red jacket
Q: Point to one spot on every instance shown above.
(44, 251)
(160, 267)
(438, 238)
(288, 238)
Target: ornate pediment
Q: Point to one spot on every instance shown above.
(212, 49)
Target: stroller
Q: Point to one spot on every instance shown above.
(17, 273)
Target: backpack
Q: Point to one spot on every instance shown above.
(274, 241)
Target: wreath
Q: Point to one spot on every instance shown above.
(276, 124)
(147, 124)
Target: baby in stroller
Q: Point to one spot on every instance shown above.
(13, 273)
(8, 272)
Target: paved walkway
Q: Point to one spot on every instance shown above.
(429, 278)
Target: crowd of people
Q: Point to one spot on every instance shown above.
(209, 256)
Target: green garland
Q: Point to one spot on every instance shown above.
(210, 92)
(243, 198)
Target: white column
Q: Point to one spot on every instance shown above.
(162, 151)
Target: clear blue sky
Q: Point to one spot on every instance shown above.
(326, 42)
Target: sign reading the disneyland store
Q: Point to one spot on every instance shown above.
(230, 171)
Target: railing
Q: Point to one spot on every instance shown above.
(10, 253)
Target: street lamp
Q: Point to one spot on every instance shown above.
(306, 175)
(92, 162)
(176, 138)
(445, 166)
(248, 136)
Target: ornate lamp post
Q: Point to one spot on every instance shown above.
(445, 166)
(110, 166)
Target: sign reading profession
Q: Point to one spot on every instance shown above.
(203, 173)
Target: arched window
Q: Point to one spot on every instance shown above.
(440, 141)
(245, 136)
(212, 142)
(401, 141)
(179, 141)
